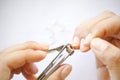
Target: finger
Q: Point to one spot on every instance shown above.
(75, 43)
(61, 73)
(28, 76)
(20, 58)
(102, 71)
(5, 73)
(30, 68)
(103, 74)
(106, 52)
(105, 27)
(27, 45)
(16, 71)
(109, 55)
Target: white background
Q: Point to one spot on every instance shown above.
(53, 22)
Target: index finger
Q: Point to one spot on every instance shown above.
(19, 58)
(27, 45)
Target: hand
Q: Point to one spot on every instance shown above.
(102, 35)
(20, 58)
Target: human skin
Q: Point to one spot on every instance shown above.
(101, 34)
(20, 59)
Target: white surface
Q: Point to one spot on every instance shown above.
(51, 21)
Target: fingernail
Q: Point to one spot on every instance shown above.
(75, 41)
(85, 43)
(83, 46)
(88, 38)
(99, 45)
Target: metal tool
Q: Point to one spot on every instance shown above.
(64, 52)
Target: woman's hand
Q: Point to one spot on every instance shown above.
(106, 26)
(20, 59)
(102, 35)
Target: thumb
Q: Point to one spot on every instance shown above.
(61, 73)
(106, 52)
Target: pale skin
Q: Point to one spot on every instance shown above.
(21, 58)
(101, 34)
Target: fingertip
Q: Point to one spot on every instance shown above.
(85, 42)
(75, 42)
(28, 76)
(66, 71)
(67, 68)
(75, 46)
(41, 54)
(84, 46)
(30, 68)
(45, 46)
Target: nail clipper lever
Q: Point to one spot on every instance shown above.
(64, 52)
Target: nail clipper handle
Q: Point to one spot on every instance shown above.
(64, 53)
